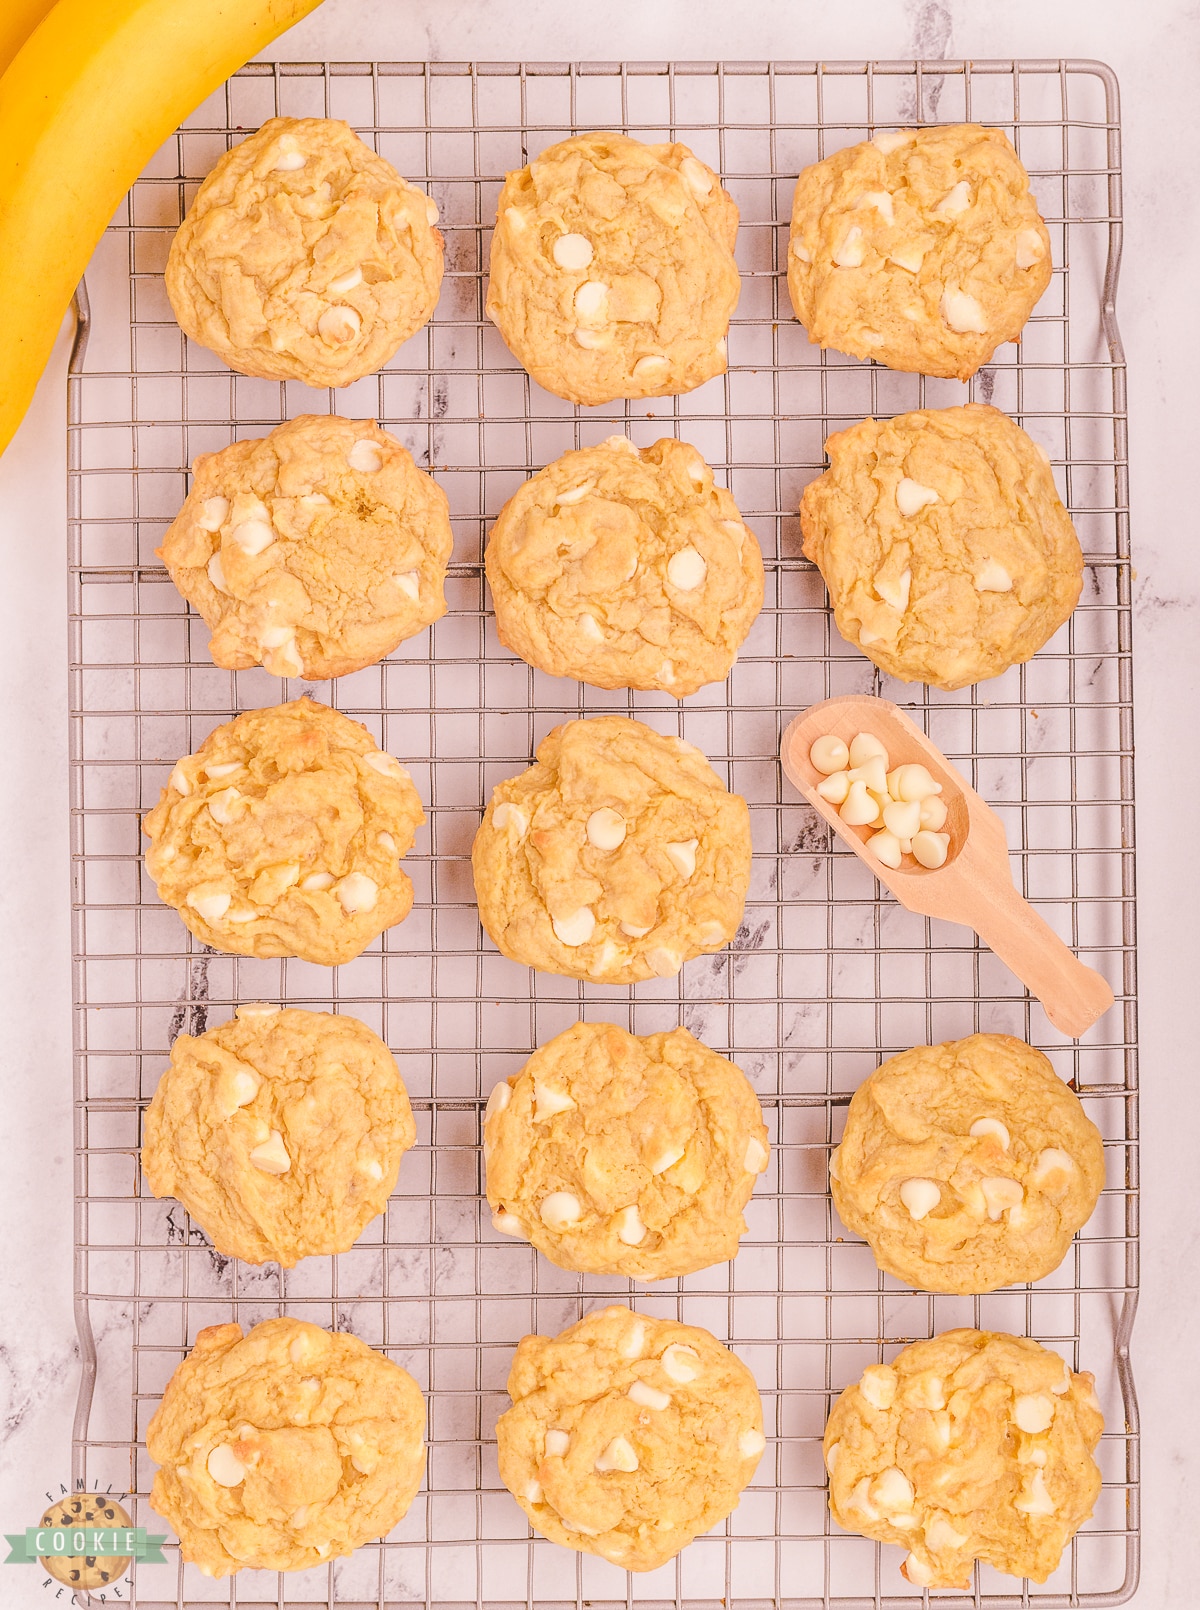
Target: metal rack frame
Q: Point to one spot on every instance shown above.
(826, 977)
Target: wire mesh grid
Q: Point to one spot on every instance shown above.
(826, 976)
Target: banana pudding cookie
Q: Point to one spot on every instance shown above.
(625, 569)
(281, 1132)
(313, 551)
(282, 836)
(967, 1166)
(616, 857)
(305, 256)
(628, 1436)
(972, 1446)
(284, 1448)
(612, 271)
(943, 542)
(921, 248)
(623, 1154)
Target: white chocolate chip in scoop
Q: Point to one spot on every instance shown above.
(878, 1385)
(339, 325)
(681, 1363)
(630, 1228)
(619, 1455)
(365, 456)
(272, 1156)
(886, 847)
(829, 754)
(864, 746)
(606, 829)
(547, 1102)
(687, 569)
(933, 813)
(912, 781)
(902, 817)
(212, 907)
(224, 1466)
(682, 856)
(506, 815)
(556, 1444)
(576, 927)
(1000, 1193)
(1030, 248)
(956, 200)
(849, 254)
(357, 892)
(573, 252)
(560, 1210)
(931, 850)
(962, 312)
(213, 513)
(647, 1396)
(920, 1197)
(993, 1127)
(991, 577)
(835, 788)
(859, 809)
(912, 496)
(696, 176)
(1033, 1412)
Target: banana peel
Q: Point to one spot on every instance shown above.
(18, 19)
(85, 103)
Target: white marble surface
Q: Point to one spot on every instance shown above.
(1153, 48)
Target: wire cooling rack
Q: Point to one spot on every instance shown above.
(826, 977)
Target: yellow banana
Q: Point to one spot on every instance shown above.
(18, 19)
(85, 103)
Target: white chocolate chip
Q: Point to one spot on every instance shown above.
(252, 536)
(850, 252)
(316, 882)
(179, 780)
(872, 772)
(386, 765)
(881, 200)
(682, 1363)
(1051, 1160)
(277, 636)
(1033, 1412)
(507, 815)
(606, 829)
(992, 577)
(593, 341)
(835, 788)
(649, 1397)
(253, 1009)
(365, 456)
(560, 1209)
(652, 363)
(859, 808)
(632, 930)
(506, 1223)
(576, 927)
(666, 1160)
(289, 160)
(990, 1126)
(828, 755)
(864, 746)
(933, 813)
(756, 1156)
(920, 1197)
(212, 514)
(663, 962)
(926, 1391)
(831, 1456)
(892, 1492)
(574, 494)
(895, 592)
(409, 582)
(919, 1575)
(912, 782)
(224, 1466)
(500, 1097)
(902, 817)
(833, 1164)
(939, 1535)
(859, 1499)
(751, 1443)
(956, 200)
(878, 1385)
(533, 1493)
(224, 807)
(299, 1516)
(591, 301)
(696, 176)
(931, 850)
(371, 1167)
(1030, 248)
(431, 211)
(590, 627)
(686, 569)
(630, 1228)
(573, 252)
(619, 1455)
(216, 573)
(212, 907)
(387, 842)
(547, 1102)
(682, 856)
(339, 324)
(346, 282)
(909, 257)
(962, 312)
(1000, 1194)
(557, 1443)
(242, 1087)
(357, 892)
(885, 847)
(800, 251)
(911, 495)
(272, 1156)
(892, 139)
(712, 933)
(1035, 1499)
(633, 1342)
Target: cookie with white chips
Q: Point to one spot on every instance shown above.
(628, 1436)
(313, 551)
(617, 1153)
(617, 856)
(921, 248)
(283, 835)
(972, 1446)
(625, 569)
(612, 269)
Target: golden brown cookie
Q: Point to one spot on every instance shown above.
(305, 256)
(281, 1132)
(616, 857)
(625, 569)
(967, 1166)
(628, 1436)
(972, 1446)
(941, 537)
(282, 836)
(285, 1447)
(612, 271)
(313, 551)
(82, 1572)
(920, 248)
(622, 1154)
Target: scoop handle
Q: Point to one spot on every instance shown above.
(1073, 994)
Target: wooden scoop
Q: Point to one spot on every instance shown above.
(975, 885)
